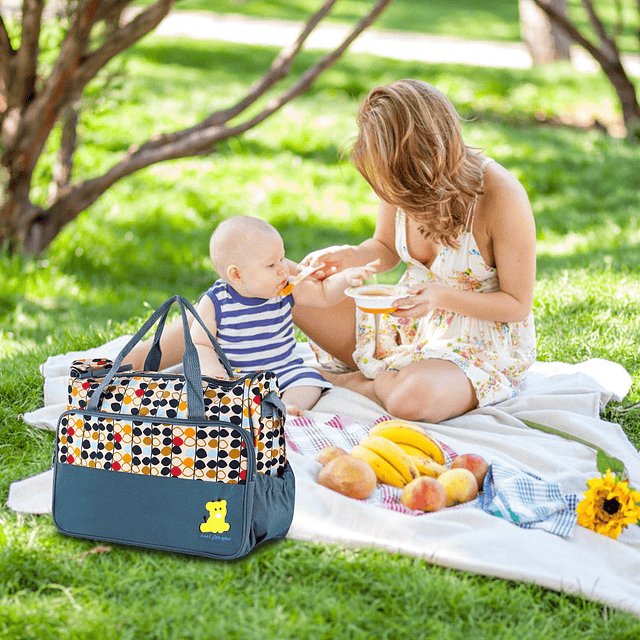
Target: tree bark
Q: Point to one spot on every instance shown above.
(546, 41)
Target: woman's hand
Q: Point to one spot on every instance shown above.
(355, 276)
(335, 259)
(419, 301)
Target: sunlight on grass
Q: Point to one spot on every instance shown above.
(147, 239)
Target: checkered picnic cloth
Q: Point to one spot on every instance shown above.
(527, 500)
(517, 496)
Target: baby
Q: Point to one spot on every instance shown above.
(252, 319)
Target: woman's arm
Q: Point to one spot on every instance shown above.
(330, 290)
(508, 222)
(380, 247)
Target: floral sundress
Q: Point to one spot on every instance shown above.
(494, 355)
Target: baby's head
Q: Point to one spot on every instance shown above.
(248, 254)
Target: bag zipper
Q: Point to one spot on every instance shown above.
(128, 372)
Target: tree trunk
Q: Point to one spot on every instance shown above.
(547, 43)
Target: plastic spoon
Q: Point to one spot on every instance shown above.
(307, 271)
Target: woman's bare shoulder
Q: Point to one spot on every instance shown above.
(500, 182)
(503, 195)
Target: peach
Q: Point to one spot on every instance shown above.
(460, 485)
(424, 494)
(349, 476)
(474, 463)
(329, 453)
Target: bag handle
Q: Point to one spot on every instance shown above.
(154, 355)
(190, 360)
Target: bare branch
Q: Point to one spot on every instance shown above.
(122, 38)
(602, 57)
(607, 43)
(44, 223)
(61, 172)
(310, 76)
(205, 134)
(73, 48)
(6, 56)
(112, 8)
(196, 141)
(279, 69)
(26, 58)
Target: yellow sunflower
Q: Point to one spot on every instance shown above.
(609, 506)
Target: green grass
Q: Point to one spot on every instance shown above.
(147, 239)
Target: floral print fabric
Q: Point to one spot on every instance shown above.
(493, 355)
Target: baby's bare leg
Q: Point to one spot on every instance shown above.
(299, 399)
(171, 344)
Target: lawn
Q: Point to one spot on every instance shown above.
(147, 239)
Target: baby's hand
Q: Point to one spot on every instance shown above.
(355, 276)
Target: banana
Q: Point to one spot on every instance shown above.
(393, 454)
(412, 451)
(429, 467)
(403, 432)
(385, 472)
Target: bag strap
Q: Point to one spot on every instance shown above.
(154, 355)
(190, 360)
(272, 403)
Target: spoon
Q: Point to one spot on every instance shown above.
(307, 271)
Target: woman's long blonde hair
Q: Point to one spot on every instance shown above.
(410, 150)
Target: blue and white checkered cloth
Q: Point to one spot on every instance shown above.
(527, 500)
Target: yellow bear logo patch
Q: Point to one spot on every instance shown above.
(217, 513)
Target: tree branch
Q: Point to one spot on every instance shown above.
(26, 58)
(72, 49)
(6, 54)
(113, 8)
(121, 38)
(279, 69)
(310, 76)
(196, 141)
(595, 21)
(607, 43)
(601, 56)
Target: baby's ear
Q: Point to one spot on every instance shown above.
(233, 274)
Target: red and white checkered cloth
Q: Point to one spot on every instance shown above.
(308, 437)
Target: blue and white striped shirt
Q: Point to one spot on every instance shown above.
(257, 334)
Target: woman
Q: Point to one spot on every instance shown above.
(464, 334)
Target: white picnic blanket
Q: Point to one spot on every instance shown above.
(568, 397)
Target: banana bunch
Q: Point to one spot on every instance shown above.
(411, 439)
(399, 452)
(391, 464)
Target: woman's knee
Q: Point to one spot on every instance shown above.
(403, 396)
(418, 396)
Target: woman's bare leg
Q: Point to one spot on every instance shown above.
(428, 390)
(332, 329)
